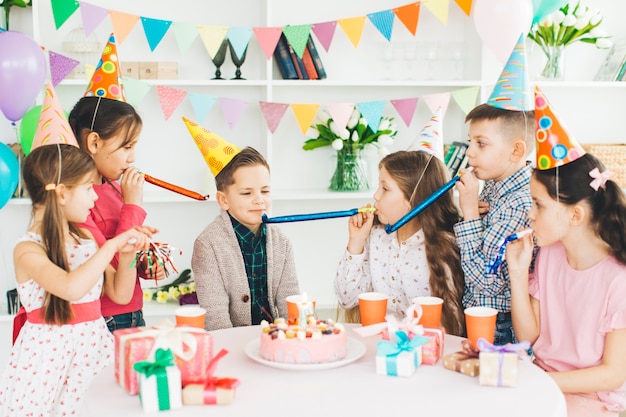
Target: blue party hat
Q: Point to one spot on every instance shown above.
(512, 91)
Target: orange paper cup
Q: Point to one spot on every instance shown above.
(431, 310)
(293, 313)
(373, 307)
(190, 316)
(480, 322)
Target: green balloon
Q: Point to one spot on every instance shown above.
(28, 127)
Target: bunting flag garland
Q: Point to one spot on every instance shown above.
(405, 108)
(439, 8)
(92, 16)
(436, 101)
(305, 113)
(135, 90)
(62, 10)
(155, 30)
(185, 34)
(202, 104)
(372, 111)
(233, 110)
(123, 24)
(297, 36)
(212, 37)
(273, 113)
(465, 5)
(60, 67)
(239, 37)
(383, 21)
(340, 113)
(409, 16)
(353, 28)
(466, 98)
(324, 33)
(268, 39)
(170, 98)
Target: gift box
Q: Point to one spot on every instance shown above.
(499, 364)
(159, 382)
(433, 349)
(192, 348)
(215, 390)
(400, 357)
(462, 362)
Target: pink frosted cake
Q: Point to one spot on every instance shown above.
(321, 342)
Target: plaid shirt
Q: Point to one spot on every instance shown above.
(255, 260)
(479, 240)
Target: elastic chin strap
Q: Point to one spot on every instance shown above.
(95, 112)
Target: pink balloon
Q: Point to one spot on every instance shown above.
(22, 73)
(499, 24)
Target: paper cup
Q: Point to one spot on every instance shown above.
(480, 322)
(373, 307)
(190, 316)
(293, 313)
(431, 310)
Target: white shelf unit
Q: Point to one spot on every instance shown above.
(376, 70)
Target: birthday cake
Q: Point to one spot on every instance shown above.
(322, 341)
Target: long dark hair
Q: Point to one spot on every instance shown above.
(41, 167)
(608, 204)
(437, 222)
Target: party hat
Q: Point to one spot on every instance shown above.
(555, 146)
(106, 81)
(512, 91)
(216, 151)
(53, 126)
(430, 138)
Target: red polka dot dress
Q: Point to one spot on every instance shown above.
(50, 366)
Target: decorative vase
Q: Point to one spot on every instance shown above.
(553, 69)
(350, 171)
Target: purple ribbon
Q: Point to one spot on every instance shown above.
(517, 348)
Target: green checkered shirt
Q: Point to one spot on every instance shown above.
(255, 260)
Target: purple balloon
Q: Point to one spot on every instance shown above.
(22, 73)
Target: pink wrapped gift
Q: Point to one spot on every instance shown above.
(432, 351)
(192, 347)
(214, 390)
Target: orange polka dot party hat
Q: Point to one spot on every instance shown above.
(106, 81)
(554, 145)
(216, 151)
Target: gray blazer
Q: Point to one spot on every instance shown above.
(220, 274)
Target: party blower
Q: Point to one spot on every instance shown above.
(427, 202)
(316, 216)
(175, 188)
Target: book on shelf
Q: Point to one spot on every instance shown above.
(282, 57)
(457, 157)
(297, 62)
(309, 65)
(317, 61)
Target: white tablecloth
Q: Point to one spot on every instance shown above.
(353, 389)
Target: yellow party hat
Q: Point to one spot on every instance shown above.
(53, 126)
(216, 151)
(106, 81)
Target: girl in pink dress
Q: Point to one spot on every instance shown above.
(572, 307)
(59, 271)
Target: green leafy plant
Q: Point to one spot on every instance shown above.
(182, 289)
(6, 6)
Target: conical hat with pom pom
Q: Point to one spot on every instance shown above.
(216, 151)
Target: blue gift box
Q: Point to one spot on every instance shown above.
(400, 357)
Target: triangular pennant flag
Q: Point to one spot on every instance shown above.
(434, 101)
(273, 113)
(60, 66)
(465, 5)
(212, 37)
(268, 38)
(170, 98)
(155, 30)
(305, 113)
(123, 24)
(92, 16)
(554, 145)
(372, 111)
(353, 28)
(439, 8)
(297, 36)
(185, 34)
(238, 38)
(324, 33)
(62, 10)
(216, 151)
(405, 108)
(466, 98)
(233, 110)
(409, 16)
(512, 91)
(202, 104)
(340, 113)
(53, 126)
(135, 90)
(383, 21)
(430, 138)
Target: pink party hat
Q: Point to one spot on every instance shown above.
(106, 81)
(53, 126)
(430, 138)
(554, 145)
(512, 91)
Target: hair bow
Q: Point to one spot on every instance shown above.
(599, 178)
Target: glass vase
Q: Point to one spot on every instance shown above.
(555, 63)
(350, 172)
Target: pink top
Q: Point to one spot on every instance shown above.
(107, 219)
(577, 309)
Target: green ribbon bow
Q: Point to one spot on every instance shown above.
(162, 359)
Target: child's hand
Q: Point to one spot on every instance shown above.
(519, 255)
(132, 186)
(483, 208)
(156, 271)
(359, 227)
(468, 187)
(133, 240)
